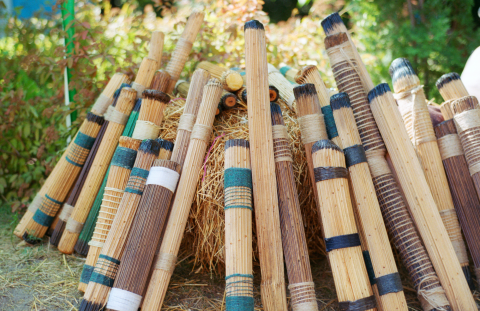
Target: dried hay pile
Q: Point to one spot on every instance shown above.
(205, 231)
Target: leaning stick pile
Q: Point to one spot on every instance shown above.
(231, 80)
(263, 169)
(413, 108)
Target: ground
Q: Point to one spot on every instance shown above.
(42, 279)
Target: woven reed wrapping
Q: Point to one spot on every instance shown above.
(468, 127)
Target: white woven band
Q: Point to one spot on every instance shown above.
(164, 177)
(123, 300)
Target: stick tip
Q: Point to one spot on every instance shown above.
(302, 73)
(156, 95)
(401, 68)
(237, 143)
(447, 78)
(379, 90)
(329, 22)
(150, 146)
(165, 144)
(325, 144)
(275, 109)
(91, 117)
(307, 89)
(253, 24)
(340, 100)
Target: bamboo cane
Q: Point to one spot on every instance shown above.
(263, 170)
(333, 24)
(184, 46)
(106, 267)
(420, 200)
(105, 98)
(413, 108)
(285, 88)
(232, 80)
(301, 286)
(145, 74)
(161, 80)
(310, 74)
(117, 121)
(175, 228)
(156, 48)
(341, 234)
(289, 73)
(238, 226)
(146, 228)
(387, 278)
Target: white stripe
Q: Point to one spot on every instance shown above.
(164, 177)
(123, 300)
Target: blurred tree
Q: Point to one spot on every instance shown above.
(281, 10)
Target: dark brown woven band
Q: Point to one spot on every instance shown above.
(342, 241)
(326, 173)
(354, 155)
(363, 304)
(390, 283)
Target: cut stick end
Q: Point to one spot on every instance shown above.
(273, 92)
(150, 146)
(465, 103)
(156, 95)
(330, 22)
(446, 79)
(165, 144)
(403, 75)
(304, 90)
(237, 143)
(302, 73)
(91, 117)
(253, 24)
(276, 112)
(325, 144)
(377, 91)
(336, 39)
(340, 100)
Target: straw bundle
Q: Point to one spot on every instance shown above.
(98, 109)
(200, 136)
(117, 121)
(387, 278)
(263, 169)
(285, 88)
(333, 24)
(151, 115)
(301, 286)
(184, 46)
(232, 80)
(120, 169)
(238, 226)
(106, 267)
(413, 108)
(160, 81)
(289, 73)
(145, 233)
(310, 74)
(156, 47)
(451, 86)
(420, 200)
(341, 235)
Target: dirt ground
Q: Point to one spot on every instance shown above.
(42, 279)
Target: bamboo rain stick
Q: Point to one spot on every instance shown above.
(413, 108)
(104, 273)
(120, 169)
(231, 80)
(387, 277)
(150, 116)
(117, 121)
(341, 234)
(285, 88)
(419, 197)
(451, 86)
(332, 25)
(289, 73)
(156, 48)
(238, 226)
(145, 74)
(175, 228)
(272, 287)
(184, 46)
(301, 286)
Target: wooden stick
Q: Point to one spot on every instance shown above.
(451, 86)
(386, 275)
(341, 235)
(238, 226)
(289, 73)
(117, 121)
(145, 74)
(151, 115)
(413, 108)
(145, 233)
(199, 139)
(446, 110)
(232, 80)
(301, 286)
(106, 267)
(285, 88)
(420, 200)
(184, 46)
(333, 24)
(156, 47)
(161, 80)
(242, 73)
(263, 169)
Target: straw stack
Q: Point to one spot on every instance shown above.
(289, 73)
(199, 139)
(117, 120)
(341, 235)
(301, 286)
(156, 47)
(310, 74)
(413, 108)
(238, 226)
(98, 109)
(284, 86)
(231, 80)
(106, 267)
(145, 233)
(120, 169)
(420, 200)
(161, 80)
(387, 278)
(263, 169)
(184, 46)
(333, 24)
(145, 74)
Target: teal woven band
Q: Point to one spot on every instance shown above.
(84, 141)
(45, 214)
(284, 70)
(239, 292)
(137, 180)
(238, 177)
(43, 219)
(239, 303)
(86, 274)
(124, 157)
(105, 270)
(329, 122)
